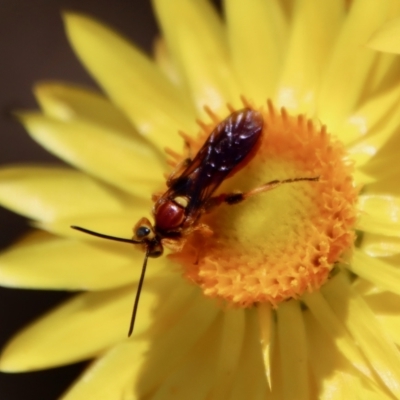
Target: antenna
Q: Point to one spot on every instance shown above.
(138, 291)
(101, 235)
(141, 280)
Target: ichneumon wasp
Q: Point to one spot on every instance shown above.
(191, 187)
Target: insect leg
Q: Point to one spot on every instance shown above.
(237, 197)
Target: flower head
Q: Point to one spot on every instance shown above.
(291, 293)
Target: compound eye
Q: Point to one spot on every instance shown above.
(142, 232)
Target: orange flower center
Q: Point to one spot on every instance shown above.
(277, 245)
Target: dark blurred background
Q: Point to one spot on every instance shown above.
(33, 47)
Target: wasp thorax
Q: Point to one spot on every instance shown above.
(143, 230)
(169, 215)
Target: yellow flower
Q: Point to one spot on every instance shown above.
(306, 276)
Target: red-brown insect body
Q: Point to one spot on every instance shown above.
(190, 193)
(168, 216)
(228, 148)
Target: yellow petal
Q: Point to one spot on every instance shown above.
(267, 327)
(293, 350)
(386, 38)
(385, 306)
(47, 194)
(335, 377)
(362, 178)
(114, 224)
(335, 328)
(70, 102)
(382, 274)
(362, 150)
(276, 385)
(384, 165)
(203, 63)
(384, 77)
(379, 245)
(106, 154)
(182, 382)
(132, 81)
(164, 61)
(350, 62)
(112, 374)
(250, 381)
(375, 344)
(180, 336)
(362, 122)
(313, 31)
(383, 187)
(53, 263)
(257, 34)
(380, 214)
(226, 358)
(78, 329)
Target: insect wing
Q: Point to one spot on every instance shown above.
(224, 152)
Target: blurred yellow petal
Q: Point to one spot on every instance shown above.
(257, 37)
(293, 350)
(167, 312)
(132, 81)
(47, 194)
(164, 61)
(203, 63)
(372, 225)
(362, 178)
(385, 75)
(226, 358)
(380, 351)
(68, 102)
(112, 373)
(334, 327)
(184, 332)
(380, 245)
(197, 365)
(379, 214)
(362, 150)
(114, 224)
(250, 380)
(83, 266)
(384, 164)
(385, 307)
(68, 333)
(375, 111)
(335, 377)
(384, 275)
(106, 154)
(386, 38)
(304, 64)
(267, 329)
(383, 187)
(350, 62)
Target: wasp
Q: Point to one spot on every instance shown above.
(191, 187)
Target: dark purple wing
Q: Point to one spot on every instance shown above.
(225, 149)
